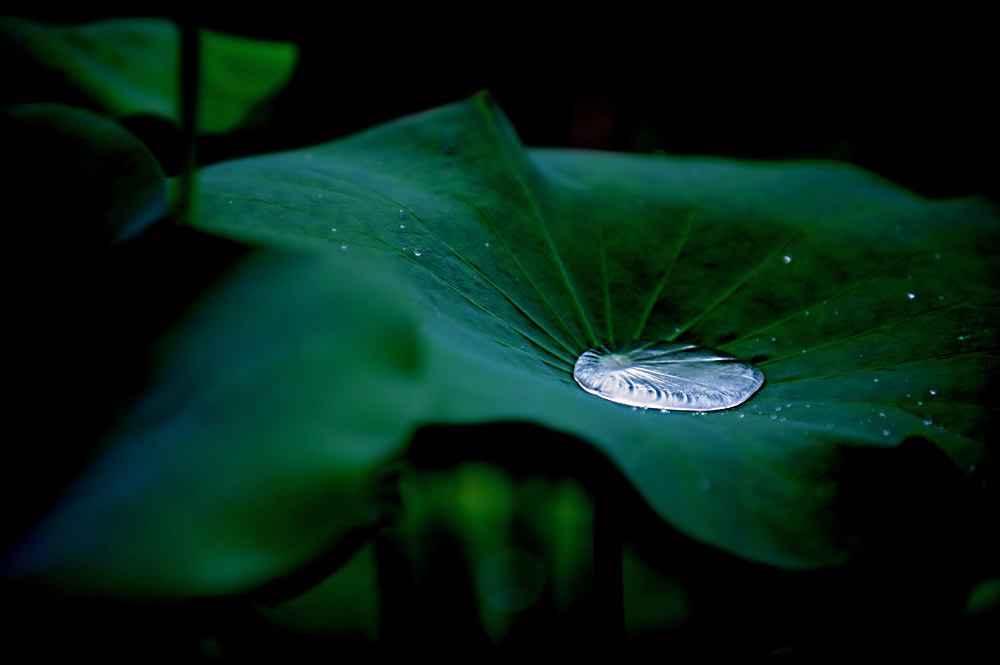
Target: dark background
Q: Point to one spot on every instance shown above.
(907, 96)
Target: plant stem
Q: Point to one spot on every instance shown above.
(190, 55)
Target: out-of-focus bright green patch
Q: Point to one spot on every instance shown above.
(124, 67)
(985, 597)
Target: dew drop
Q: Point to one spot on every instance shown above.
(344, 246)
(886, 432)
(787, 258)
(875, 380)
(230, 202)
(334, 229)
(928, 421)
(417, 252)
(402, 226)
(932, 391)
(487, 244)
(661, 375)
(911, 296)
(774, 339)
(320, 195)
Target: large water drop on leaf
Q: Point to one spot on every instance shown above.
(659, 375)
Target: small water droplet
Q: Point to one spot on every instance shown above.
(937, 256)
(742, 415)
(875, 380)
(660, 375)
(774, 339)
(344, 246)
(334, 229)
(777, 408)
(787, 258)
(807, 312)
(920, 402)
(911, 296)
(782, 419)
(940, 297)
(402, 226)
(836, 313)
(932, 391)
(928, 421)
(320, 195)
(487, 244)
(962, 338)
(230, 202)
(886, 432)
(401, 213)
(774, 416)
(417, 252)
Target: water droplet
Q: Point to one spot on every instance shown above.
(928, 421)
(660, 375)
(807, 312)
(320, 195)
(487, 243)
(962, 338)
(875, 380)
(782, 419)
(777, 408)
(742, 415)
(787, 258)
(937, 256)
(940, 297)
(911, 296)
(932, 391)
(417, 252)
(886, 432)
(334, 229)
(774, 416)
(774, 339)
(401, 213)
(402, 226)
(344, 246)
(881, 414)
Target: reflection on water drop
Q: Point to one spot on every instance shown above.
(911, 296)
(786, 258)
(344, 246)
(681, 377)
(417, 252)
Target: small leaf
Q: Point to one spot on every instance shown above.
(124, 67)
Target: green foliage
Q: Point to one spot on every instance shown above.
(125, 67)
(432, 275)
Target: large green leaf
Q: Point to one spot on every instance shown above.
(124, 67)
(871, 311)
